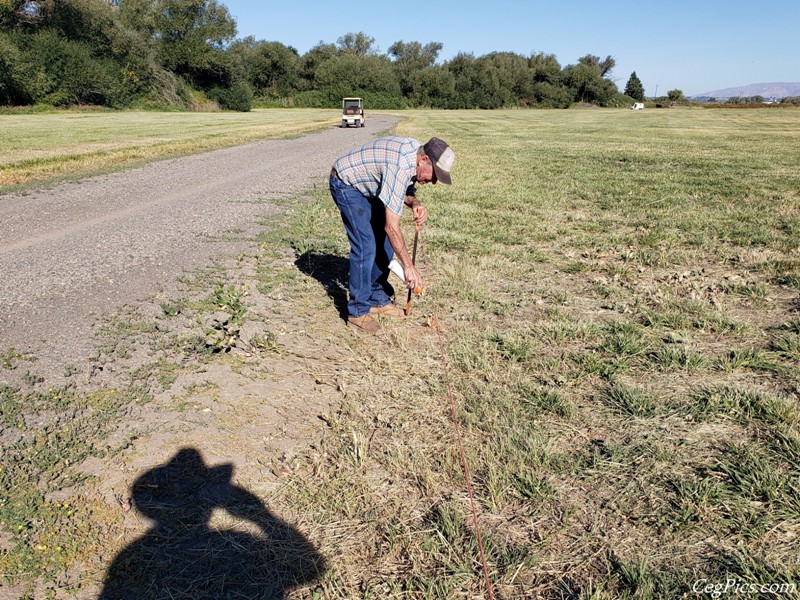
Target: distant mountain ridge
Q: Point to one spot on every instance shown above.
(767, 90)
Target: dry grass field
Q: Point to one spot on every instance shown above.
(618, 295)
(620, 299)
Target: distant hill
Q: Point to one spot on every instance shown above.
(767, 90)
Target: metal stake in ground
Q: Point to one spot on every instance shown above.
(413, 262)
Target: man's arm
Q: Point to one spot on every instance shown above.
(395, 235)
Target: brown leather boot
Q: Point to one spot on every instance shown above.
(390, 310)
(364, 323)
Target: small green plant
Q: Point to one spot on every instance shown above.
(174, 308)
(632, 401)
(575, 267)
(228, 299)
(515, 347)
(31, 378)
(10, 358)
(221, 335)
(561, 330)
(533, 488)
(749, 358)
(267, 341)
(597, 363)
(11, 403)
(743, 405)
(783, 272)
(673, 357)
(546, 401)
(694, 499)
(747, 290)
(748, 472)
(786, 340)
(624, 340)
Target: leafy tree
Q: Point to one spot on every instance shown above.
(356, 75)
(605, 66)
(311, 61)
(675, 95)
(548, 95)
(416, 54)
(505, 79)
(7, 15)
(545, 68)
(139, 15)
(491, 81)
(117, 52)
(192, 35)
(411, 58)
(270, 67)
(745, 100)
(548, 90)
(587, 80)
(434, 87)
(66, 72)
(90, 21)
(465, 73)
(634, 88)
(238, 97)
(75, 51)
(13, 89)
(359, 44)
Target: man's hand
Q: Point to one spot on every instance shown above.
(419, 211)
(420, 214)
(413, 278)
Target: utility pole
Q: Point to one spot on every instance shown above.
(656, 96)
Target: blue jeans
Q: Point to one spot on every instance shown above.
(370, 251)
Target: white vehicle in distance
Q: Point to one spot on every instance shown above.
(353, 112)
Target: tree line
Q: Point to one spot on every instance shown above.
(182, 53)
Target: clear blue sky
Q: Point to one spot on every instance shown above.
(692, 45)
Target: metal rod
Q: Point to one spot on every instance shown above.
(413, 262)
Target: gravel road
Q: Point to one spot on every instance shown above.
(78, 251)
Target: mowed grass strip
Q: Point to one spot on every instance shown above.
(44, 147)
(618, 298)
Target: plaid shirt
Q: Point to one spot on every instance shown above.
(383, 168)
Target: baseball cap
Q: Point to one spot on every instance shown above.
(442, 157)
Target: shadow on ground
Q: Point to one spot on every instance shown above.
(181, 556)
(332, 272)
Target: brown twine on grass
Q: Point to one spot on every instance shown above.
(440, 339)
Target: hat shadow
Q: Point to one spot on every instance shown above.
(183, 556)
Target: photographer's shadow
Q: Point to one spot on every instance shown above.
(180, 556)
(332, 272)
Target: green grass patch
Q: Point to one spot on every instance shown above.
(743, 404)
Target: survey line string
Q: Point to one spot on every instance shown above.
(451, 398)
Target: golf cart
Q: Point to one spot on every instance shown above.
(353, 112)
